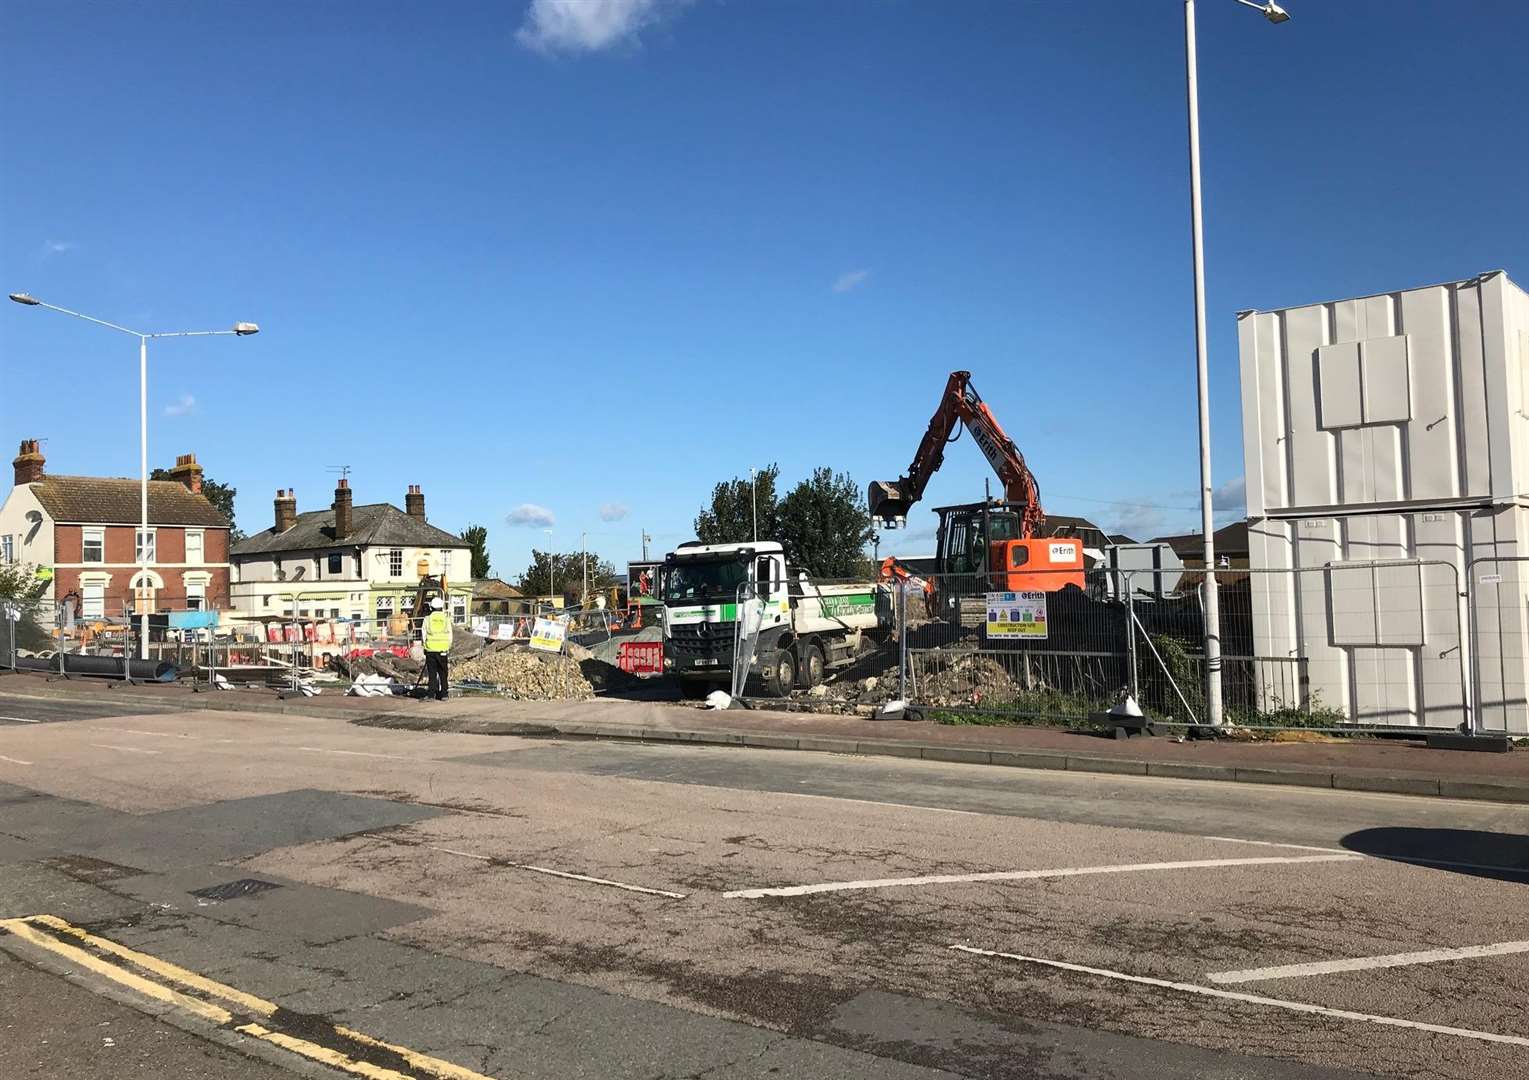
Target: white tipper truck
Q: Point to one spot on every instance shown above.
(805, 628)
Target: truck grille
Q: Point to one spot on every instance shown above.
(701, 639)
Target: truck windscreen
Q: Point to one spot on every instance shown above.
(710, 580)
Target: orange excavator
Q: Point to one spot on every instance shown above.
(994, 543)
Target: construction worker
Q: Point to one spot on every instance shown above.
(437, 630)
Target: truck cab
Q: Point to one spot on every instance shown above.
(984, 540)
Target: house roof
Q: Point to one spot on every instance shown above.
(493, 588)
(371, 524)
(1229, 539)
(115, 500)
(1119, 538)
(1057, 522)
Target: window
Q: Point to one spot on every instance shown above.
(445, 563)
(384, 608)
(145, 544)
(92, 600)
(196, 596)
(334, 613)
(265, 602)
(93, 549)
(7, 550)
(194, 547)
(336, 563)
(395, 563)
(458, 609)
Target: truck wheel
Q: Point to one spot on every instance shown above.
(780, 674)
(812, 666)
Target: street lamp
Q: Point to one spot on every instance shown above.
(242, 329)
(551, 573)
(754, 500)
(1275, 14)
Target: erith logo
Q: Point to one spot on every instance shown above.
(1064, 553)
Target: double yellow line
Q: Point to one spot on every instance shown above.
(223, 1005)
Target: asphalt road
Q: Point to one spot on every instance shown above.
(272, 885)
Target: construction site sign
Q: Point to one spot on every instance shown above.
(548, 635)
(1017, 615)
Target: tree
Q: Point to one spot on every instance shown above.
(730, 518)
(824, 525)
(220, 495)
(569, 571)
(477, 537)
(21, 588)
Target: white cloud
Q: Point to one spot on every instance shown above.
(851, 280)
(58, 247)
(613, 511)
(1137, 520)
(589, 25)
(529, 515)
(181, 406)
(1232, 495)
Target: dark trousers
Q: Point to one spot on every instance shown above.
(435, 671)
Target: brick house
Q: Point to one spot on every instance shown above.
(85, 530)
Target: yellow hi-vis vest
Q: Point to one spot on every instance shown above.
(437, 632)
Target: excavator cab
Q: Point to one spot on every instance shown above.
(986, 541)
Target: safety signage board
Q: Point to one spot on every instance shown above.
(1017, 614)
(480, 626)
(548, 635)
(505, 631)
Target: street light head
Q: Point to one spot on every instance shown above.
(23, 298)
(244, 329)
(1275, 14)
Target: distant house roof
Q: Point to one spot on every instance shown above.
(1230, 540)
(1120, 538)
(1067, 525)
(371, 524)
(492, 588)
(114, 500)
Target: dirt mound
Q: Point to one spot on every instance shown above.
(518, 672)
(964, 680)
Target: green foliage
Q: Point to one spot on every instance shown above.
(477, 536)
(730, 517)
(824, 525)
(822, 522)
(567, 574)
(20, 587)
(220, 495)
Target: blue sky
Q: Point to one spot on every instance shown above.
(616, 251)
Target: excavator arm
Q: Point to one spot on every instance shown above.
(890, 501)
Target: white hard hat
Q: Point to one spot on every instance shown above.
(435, 602)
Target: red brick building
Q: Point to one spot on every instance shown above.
(85, 529)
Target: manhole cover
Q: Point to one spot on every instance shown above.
(232, 890)
(90, 870)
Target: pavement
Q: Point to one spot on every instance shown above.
(1397, 765)
(323, 897)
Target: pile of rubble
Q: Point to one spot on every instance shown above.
(940, 678)
(517, 672)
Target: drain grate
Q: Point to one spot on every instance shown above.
(233, 890)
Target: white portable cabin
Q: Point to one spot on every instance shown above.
(1386, 442)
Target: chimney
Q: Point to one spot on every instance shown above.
(414, 502)
(28, 463)
(342, 500)
(286, 509)
(188, 472)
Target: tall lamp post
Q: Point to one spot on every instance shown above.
(1213, 711)
(754, 500)
(551, 574)
(243, 329)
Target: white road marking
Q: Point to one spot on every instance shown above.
(353, 753)
(14, 760)
(1023, 875)
(1366, 963)
(561, 873)
(124, 749)
(1254, 999)
(21, 719)
(878, 802)
(1272, 843)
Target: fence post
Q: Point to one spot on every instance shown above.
(902, 640)
(1124, 581)
(1473, 674)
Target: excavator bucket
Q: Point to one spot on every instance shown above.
(889, 503)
